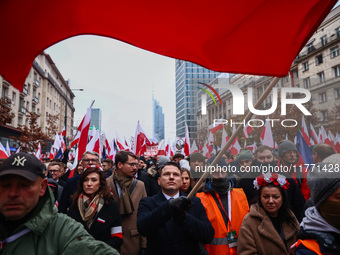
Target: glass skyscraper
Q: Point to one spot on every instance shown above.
(188, 76)
(158, 121)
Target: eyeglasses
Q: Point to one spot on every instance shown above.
(90, 159)
(54, 171)
(132, 164)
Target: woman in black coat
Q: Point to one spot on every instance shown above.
(94, 207)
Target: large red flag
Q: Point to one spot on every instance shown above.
(3, 153)
(219, 40)
(140, 139)
(84, 134)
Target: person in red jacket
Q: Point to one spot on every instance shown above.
(290, 160)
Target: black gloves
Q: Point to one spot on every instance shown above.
(178, 207)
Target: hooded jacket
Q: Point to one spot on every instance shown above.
(259, 236)
(49, 232)
(315, 227)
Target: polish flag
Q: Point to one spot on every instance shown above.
(139, 140)
(3, 153)
(38, 152)
(57, 143)
(211, 139)
(200, 146)
(193, 147)
(187, 141)
(337, 142)
(322, 134)
(84, 132)
(63, 145)
(267, 135)
(168, 149)
(304, 131)
(107, 145)
(74, 165)
(207, 148)
(314, 134)
(94, 145)
(235, 146)
(213, 128)
(252, 147)
(247, 130)
(161, 148)
(63, 132)
(8, 150)
(121, 145)
(225, 138)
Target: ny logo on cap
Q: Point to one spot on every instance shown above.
(19, 161)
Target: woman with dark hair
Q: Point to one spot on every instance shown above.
(186, 181)
(94, 207)
(270, 227)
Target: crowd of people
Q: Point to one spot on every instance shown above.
(271, 203)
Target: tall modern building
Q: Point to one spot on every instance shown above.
(188, 78)
(158, 121)
(96, 118)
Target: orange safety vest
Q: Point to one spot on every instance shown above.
(238, 209)
(310, 244)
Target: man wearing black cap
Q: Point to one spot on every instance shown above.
(29, 222)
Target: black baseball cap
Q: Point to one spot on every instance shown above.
(23, 164)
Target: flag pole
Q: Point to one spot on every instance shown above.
(234, 135)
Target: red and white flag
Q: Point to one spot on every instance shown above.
(267, 135)
(38, 152)
(225, 138)
(213, 128)
(186, 141)
(235, 146)
(337, 143)
(161, 148)
(139, 140)
(314, 134)
(304, 131)
(57, 143)
(3, 153)
(8, 150)
(84, 132)
(63, 132)
(252, 147)
(169, 151)
(93, 144)
(247, 130)
(193, 147)
(207, 148)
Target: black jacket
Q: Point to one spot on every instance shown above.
(70, 188)
(104, 221)
(155, 221)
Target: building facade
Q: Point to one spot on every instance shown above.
(45, 92)
(188, 78)
(158, 121)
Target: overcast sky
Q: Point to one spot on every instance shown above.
(120, 78)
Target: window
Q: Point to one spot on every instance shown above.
(305, 66)
(334, 52)
(306, 83)
(337, 93)
(323, 40)
(321, 77)
(318, 60)
(14, 97)
(323, 116)
(322, 97)
(29, 89)
(336, 71)
(337, 31)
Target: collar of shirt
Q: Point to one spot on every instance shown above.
(168, 197)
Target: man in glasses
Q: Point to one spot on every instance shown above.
(127, 192)
(89, 158)
(54, 170)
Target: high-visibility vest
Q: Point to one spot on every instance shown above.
(237, 208)
(310, 244)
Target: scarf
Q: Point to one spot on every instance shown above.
(220, 185)
(88, 207)
(125, 202)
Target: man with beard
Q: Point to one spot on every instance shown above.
(226, 208)
(264, 159)
(127, 192)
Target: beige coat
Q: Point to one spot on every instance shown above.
(258, 235)
(132, 240)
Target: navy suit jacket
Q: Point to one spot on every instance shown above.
(164, 235)
(70, 188)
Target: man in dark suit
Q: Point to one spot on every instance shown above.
(173, 224)
(89, 158)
